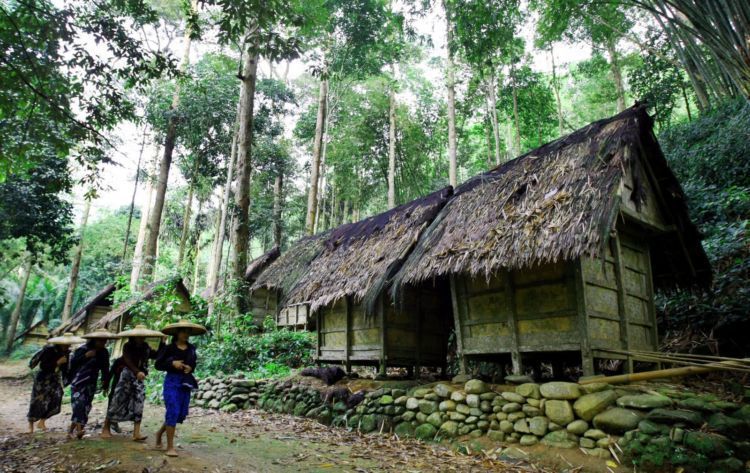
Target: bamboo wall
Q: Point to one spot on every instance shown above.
(36, 337)
(262, 304)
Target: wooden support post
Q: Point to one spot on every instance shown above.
(418, 335)
(383, 355)
(651, 308)
(621, 308)
(348, 347)
(515, 353)
(587, 359)
(457, 325)
(319, 328)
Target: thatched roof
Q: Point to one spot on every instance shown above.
(559, 202)
(260, 263)
(358, 259)
(79, 318)
(30, 328)
(283, 273)
(148, 293)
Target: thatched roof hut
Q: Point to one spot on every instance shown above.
(359, 258)
(260, 263)
(262, 303)
(89, 314)
(559, 202)
(35, 335)
(123, 310)
(556, 253)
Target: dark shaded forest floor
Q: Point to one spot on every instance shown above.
(247, 441)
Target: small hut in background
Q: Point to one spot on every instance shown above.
(555, 255)
(262, 302)
(120, 317)
(279, 277)
(346, 285)
(34, 336)
(88, 316)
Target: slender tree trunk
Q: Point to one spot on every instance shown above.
(392, 144)
(556, 89)
(614, 64)
(493, 116)
(488, 139)
(450, 85)
(75, 268)
(16, 314)
(170, 140)
(278, 197)
(143, 226)
(687, 101)
(345, 215)
(132, 199)
(312, 196)
(241, 230)
(185, 224)
(197, 250)
(515, 111)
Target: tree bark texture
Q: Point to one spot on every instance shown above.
(614, 64)
(10, 334)
(132, 198)
(556, 89)
(516, 120)
(493, 117)
(185, 224)
(312, 196)
(278, 198)
(392, 149)
(76, 266)
(451, 88)
(143, 226)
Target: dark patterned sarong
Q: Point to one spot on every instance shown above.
(81, 398)
(46, 396)
(126, 404)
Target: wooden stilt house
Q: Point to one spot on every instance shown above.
(557, 253)
(36, 335)
(277, 279)
(346, 285)
(262, 302)
(88, 316)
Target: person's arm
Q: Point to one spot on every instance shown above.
(164, 359)
(78, 359)
(129, 357)
(104, 367)
(48, 361)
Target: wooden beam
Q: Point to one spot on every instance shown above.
(651, 307)
(587, 359)
(621, 308)
(383, 354)
(348, 334)
(318, 328)
(457, 326)
(418, 333)
(515, 352)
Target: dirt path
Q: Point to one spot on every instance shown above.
(248, 441)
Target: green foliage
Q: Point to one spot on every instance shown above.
(711, 158)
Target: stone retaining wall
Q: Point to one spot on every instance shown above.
(655, 428)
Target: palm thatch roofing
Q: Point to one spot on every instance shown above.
(79, 318)
(260, 263)
(148, 293)
(284, 272)
(558, 202)
(358, 259)
(30, 328)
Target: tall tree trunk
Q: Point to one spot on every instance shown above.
(10, 333)
(493, 116)
(132, 199)
(488, 137)
(196, 249)
(278, 197)
(614, 64)
(170, 140)
(312, 196)
(556, 89)
(143, 226)
(75, 268)
(185, 224)
(241, 230)
(345, 217)
(515, 111)
(451, 88)
(392, 144)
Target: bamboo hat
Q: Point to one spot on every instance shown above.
(140, 330)
(66, 339)
(192, 329)
(100, 333)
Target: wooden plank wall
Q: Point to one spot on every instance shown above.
(262, 304)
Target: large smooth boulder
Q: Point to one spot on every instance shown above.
(404, 429)
(560, 439)
(559, 411)
(538, 426)
(589, 405)
(513, 397)
(617, 420)
(368, 423)
(425, 432)
(560, 390)
(443, 390)
(412, 403)
(449, 429)
(472, 400)
(711, 445)
(675, 416)
(476, 386)
(530, 390)
(435, 419)
(447, 405)
(644, 401)
(578, 427)
(730, 426)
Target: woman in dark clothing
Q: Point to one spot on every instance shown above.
(129, 393)
(178, 359)
(87, 363)
(47, 393)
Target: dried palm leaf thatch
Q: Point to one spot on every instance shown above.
(285, 271)
(148, 293)
(257, 265)
(358, 259)
(79, 318)
(557, 202)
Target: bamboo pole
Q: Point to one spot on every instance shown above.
(666, 373)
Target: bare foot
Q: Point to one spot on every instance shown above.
(140, 438)
(41, 425)
(158, 446)
(171, 452)
(106, 435)
(80, 432)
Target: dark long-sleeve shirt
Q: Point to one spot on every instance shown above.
(47, 360)
(87, 370)
(171, 353)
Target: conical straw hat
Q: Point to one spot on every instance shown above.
(140, 331)
(66, 339)
(193, 329)
(100, 333)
